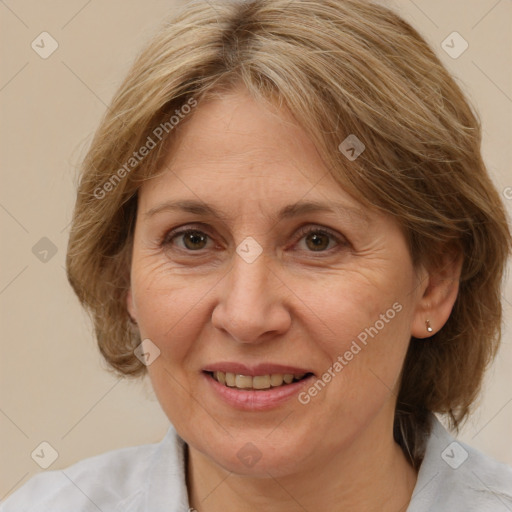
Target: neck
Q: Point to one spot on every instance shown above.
(372, 474)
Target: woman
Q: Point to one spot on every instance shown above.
(285, 219)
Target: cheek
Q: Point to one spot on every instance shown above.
(168, 307)
(362, 324)
(171, 312)
(352, 301)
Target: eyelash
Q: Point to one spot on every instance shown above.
(302, 232)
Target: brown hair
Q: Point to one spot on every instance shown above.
(341, 67)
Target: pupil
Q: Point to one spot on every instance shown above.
(194, 238)
(317, 241)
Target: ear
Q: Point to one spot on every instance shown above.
(440, 292)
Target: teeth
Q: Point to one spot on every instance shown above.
(258, 382)
(230, 379)
(261, 382)
(243, 381)
(220, 376)
(276, 380)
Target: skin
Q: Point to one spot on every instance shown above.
(292, 305)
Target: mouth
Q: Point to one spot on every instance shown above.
(255, 388)
(256, 382)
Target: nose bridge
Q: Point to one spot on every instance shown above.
(248, 278)
(249, 305)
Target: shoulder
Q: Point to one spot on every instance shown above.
(456, 477)
(104, 482)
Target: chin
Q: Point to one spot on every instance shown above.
(255, 456)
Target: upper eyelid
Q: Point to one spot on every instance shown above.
(172, 233)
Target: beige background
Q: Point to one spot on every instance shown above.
(54, 386)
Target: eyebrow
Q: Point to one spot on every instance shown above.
(287, 212)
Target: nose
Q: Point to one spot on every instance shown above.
(252, 306)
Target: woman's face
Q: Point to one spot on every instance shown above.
(265, 289)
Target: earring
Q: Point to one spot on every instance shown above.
(429, 327)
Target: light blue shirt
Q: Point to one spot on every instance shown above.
(151, 478)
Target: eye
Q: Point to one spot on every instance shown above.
(194, 240)
(191, 239)
(318, 239)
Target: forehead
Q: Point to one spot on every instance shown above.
(235, 152)
(236, 132)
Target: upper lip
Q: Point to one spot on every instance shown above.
(254, 370)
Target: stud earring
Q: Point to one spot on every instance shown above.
(429, 327)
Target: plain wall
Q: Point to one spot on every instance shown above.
(54, 384)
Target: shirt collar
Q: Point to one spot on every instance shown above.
(167, 488)
(454, 476)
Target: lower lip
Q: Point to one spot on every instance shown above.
(256, 400)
